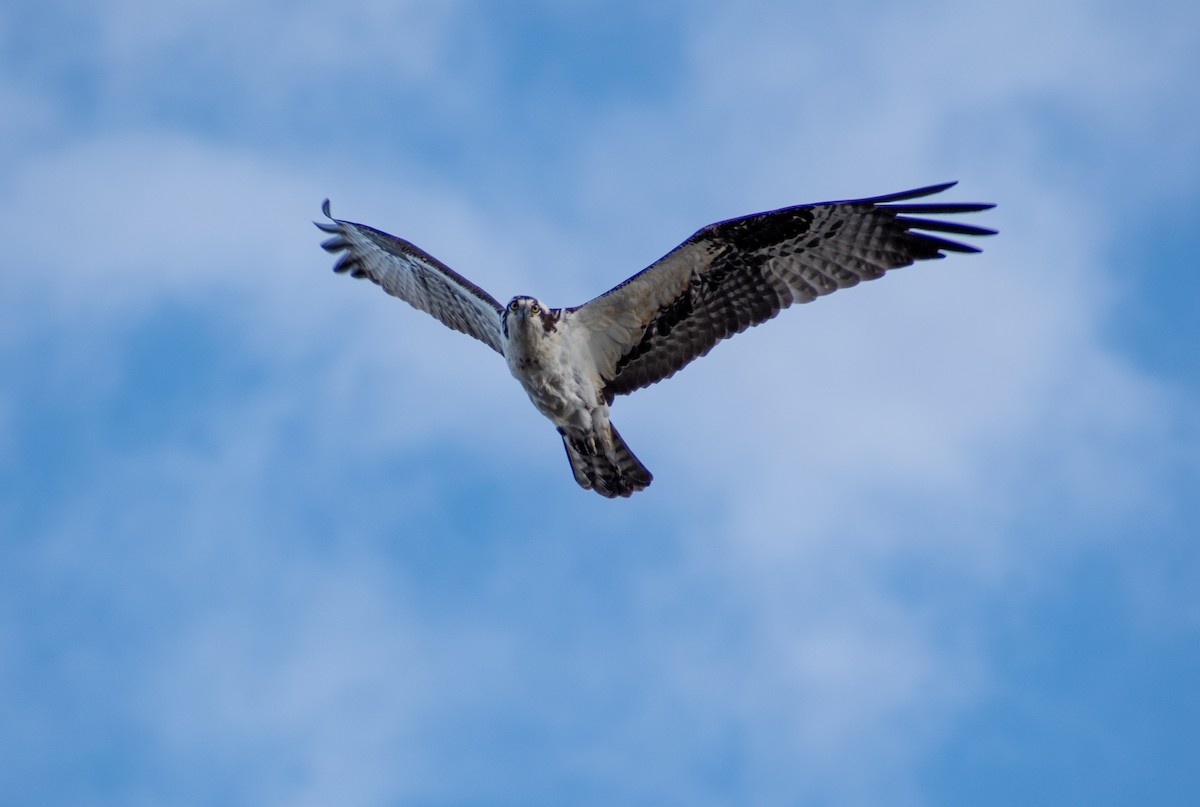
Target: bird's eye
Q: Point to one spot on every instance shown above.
(535, 308)
(514, 305)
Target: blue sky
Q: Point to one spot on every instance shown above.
(268, 536)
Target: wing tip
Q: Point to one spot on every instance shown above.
(903, 212)
(335, 244)
(928, 190)
(330, 226)
(931, 247)
(944, 226)
(915, 193)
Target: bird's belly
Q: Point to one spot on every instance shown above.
(566, 400)
(551, 395)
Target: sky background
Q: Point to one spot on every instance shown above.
(270, 537)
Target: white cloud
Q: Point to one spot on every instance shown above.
(321, 677)
(270, 53)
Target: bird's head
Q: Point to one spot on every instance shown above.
(525, 312)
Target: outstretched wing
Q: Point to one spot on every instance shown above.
(737, 273)
(415, 276)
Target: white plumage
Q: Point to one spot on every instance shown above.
(727, 277)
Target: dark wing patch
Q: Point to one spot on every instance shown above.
(737, 273)
(408, 272)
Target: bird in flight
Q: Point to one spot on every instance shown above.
(731, 275)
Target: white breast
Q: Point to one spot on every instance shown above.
(557, 372)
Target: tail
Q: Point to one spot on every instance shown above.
(610, 470)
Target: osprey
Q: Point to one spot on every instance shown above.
(730, 275)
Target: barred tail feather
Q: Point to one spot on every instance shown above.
(611, 473)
